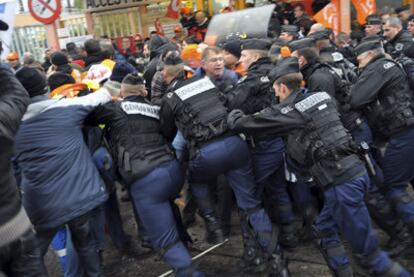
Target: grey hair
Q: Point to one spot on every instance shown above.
(394, 21)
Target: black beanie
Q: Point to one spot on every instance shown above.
(120, 71)
(32, 80)
(59, 79)
(134, 83)
(58, 59)
(133, 79)
(233, 47)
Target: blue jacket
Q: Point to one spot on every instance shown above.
(59, 179)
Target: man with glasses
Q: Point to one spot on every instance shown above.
(212, 66)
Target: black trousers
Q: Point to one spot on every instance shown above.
(22, 257)
(82, 241)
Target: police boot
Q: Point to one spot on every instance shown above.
(400, 241)
(276, 261)
(384, 216)
(394, 270)
(288, 237)
(214, 233)
(278, 266)
(253, 259)
(329, 252)
(309, 213)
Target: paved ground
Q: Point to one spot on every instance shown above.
(304, 260)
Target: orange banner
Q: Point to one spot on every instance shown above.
(329, 16)
(364, 8)
(173, 9)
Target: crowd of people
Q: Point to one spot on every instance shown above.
(303, 125)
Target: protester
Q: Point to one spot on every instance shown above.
(55, 191)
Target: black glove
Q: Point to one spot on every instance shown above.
(233, 116)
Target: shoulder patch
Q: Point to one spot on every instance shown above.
(388, 65)
(337, 57)
(312, 101)
(286, 109)
(264, 79)
(140, 108)
(194, 88)
(399, 46)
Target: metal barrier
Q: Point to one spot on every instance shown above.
(118, 23)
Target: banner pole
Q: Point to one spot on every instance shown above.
(345, 16)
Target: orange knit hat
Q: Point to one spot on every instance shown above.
(191, 52)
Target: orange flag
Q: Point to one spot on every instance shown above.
(329, 16)
(173, 9)
(364, 8)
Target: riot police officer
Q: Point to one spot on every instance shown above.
(318, 77)
(398, 39)
(373, 27)
(317, 142)
(323, 77)
(382, 92)
(289, 33)
(195, 108)
(146, 163)
(252, 94)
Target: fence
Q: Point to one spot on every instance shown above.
(30, 39)
(33, 38)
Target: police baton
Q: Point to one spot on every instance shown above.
(198, 256)
(364, 148)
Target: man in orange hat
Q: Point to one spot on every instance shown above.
(191, 56)
(13, 61)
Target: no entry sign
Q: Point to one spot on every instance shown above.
(45, 11)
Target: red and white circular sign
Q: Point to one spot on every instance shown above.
(45, 11)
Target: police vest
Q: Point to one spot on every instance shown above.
(323, 145)
(201, 116)
(351, 119)
(392, 111)
(138, 145)
(261, 94)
